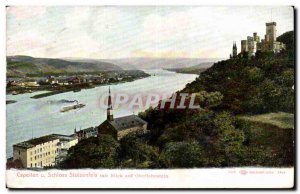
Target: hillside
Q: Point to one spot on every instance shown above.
(258, 85)
(280, 119)
(196, 69)
(26, 65)
(228, 130)
(152, 63)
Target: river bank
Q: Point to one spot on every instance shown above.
(10, 101)
(188, 70)
(58, 89)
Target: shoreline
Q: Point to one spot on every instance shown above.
(10, 101)
(50, 91)
(187, 71)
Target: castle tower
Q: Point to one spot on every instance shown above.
(271, 32)
(244, 46)
(256, 37)
(234, 50)
(110, 116)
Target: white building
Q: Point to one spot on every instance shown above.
(42, 152)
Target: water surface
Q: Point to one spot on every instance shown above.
(29, 117)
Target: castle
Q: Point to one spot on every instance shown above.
(253, 43)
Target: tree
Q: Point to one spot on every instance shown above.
(253, 74)
(209, 99)
(93, 153)
(136, 153)
(182, 155)
(230, 140)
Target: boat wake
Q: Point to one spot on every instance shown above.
(61, 101)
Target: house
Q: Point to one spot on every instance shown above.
(86, 133)
(121, 126)
(65, 143)
(15, 82)
(37, 152)
(74, 80)
(31, 83)
(62, 80)
(43, 151)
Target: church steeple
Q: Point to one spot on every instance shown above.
(110, 116)
(234, 50)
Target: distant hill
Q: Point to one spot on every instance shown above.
(196, 69)
(152, 63)
(26, 65)
(160, 63)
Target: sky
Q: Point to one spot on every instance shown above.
(109, 32)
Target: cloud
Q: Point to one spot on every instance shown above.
(116, 32)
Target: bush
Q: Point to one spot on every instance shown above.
(182, 155)
(134, 153)
(93, 153)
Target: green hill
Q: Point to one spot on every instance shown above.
(257, 85)
(26, 65)
(196, 69)
(228, 130)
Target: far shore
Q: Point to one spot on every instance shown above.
(10, 101)
(49, 91)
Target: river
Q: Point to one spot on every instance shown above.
(28, 118)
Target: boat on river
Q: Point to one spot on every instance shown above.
(72, 107)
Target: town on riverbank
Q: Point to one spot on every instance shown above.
(56, 84)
